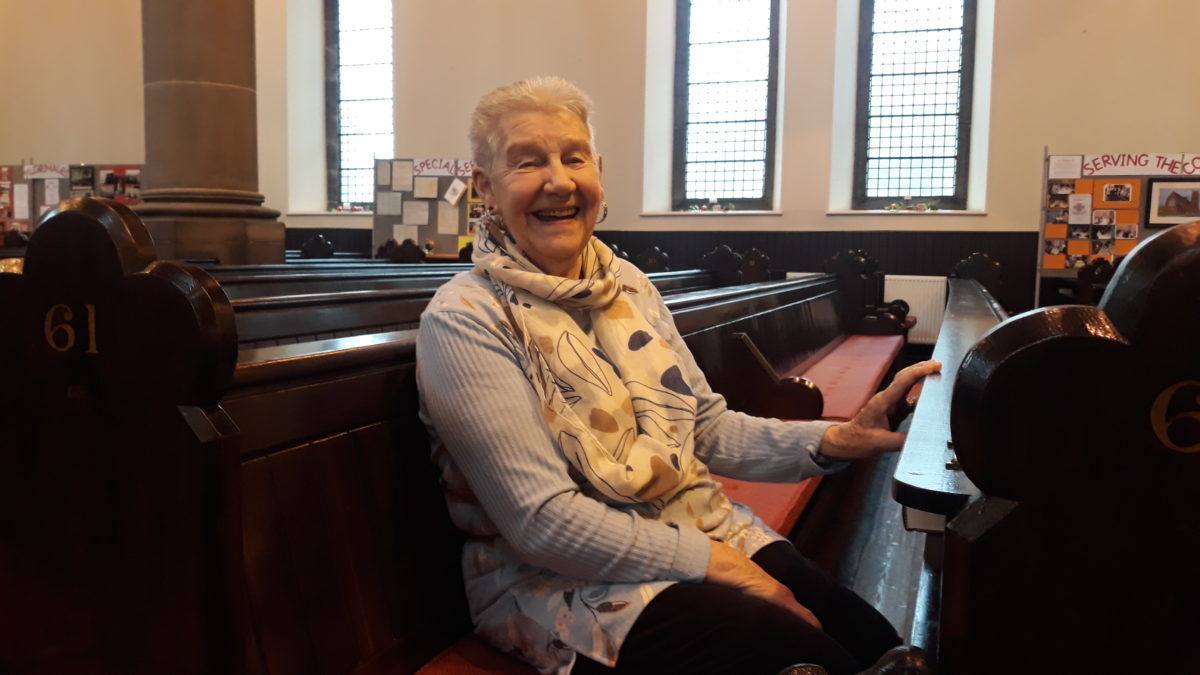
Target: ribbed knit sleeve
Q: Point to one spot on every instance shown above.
(489, 418)
(737, 445)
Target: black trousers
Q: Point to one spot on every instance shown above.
(698, 628)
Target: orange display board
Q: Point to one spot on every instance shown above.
(1088, 218)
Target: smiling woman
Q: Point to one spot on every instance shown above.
(575, 434)
(543, 185)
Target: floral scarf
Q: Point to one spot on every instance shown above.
(616, 401)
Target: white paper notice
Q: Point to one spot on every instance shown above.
(21, 201)
(455, 191)
(51, 193)
(402, 232)
(383, 172)
(1079, 209)
(425, 187)
(1066, 166)
(416, 213)
(447, 218)
(389, 203)
(402, 175)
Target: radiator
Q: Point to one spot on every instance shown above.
(926, 298)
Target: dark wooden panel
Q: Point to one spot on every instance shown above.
(924, 253)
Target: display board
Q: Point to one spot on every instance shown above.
(1101, 206)
(28, 191)
(425, 200)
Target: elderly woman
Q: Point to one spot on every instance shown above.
(575, 434)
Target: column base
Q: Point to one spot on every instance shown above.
(231, 241)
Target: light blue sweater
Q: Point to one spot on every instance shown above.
(518, 498)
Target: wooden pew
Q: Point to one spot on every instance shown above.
(265, 281)
(392, 302)
(1069, 539)
(172, 504)
(169, 504)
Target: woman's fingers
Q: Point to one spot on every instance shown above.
(728, 567)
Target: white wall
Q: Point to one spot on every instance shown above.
(1079, 76)
(71, 81)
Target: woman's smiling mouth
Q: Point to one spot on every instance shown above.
(551, 215)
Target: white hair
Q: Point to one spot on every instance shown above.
(547, 94)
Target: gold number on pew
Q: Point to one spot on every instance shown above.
(1162, 423)
(60, 334)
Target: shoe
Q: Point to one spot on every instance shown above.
(803, 669)
(901, 661)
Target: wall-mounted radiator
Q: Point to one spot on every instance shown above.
(926, 298)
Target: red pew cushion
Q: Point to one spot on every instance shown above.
(851, 373)
(778, 504)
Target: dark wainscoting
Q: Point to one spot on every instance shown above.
(344, 240)
(924, 253)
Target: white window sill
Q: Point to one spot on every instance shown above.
(330, 213)
(707, 214)
(885, 212)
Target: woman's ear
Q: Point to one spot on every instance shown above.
(483, 187)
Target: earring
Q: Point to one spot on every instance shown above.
(603, 213)
(492, 220)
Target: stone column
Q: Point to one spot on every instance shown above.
(200, 181)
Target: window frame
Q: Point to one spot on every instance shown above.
(333, 98)
(958, 200)
(679, 201)
(333, 101)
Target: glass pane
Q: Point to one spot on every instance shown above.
(729, 62)
(359, 14)
(365, 46)
(366, 117)
(745, 141)
(365, 82)
(724, 180)
(359, 151)
(926, 52)
(727, 102)
(901, 15)
(935, 94)
(358, 186)
(728, 20)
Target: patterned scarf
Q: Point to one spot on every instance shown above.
(616, 402)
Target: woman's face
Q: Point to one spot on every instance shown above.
(545, 181)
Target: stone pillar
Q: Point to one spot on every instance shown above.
(200, 181)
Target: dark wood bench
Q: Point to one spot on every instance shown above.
(1070, 494)
(391, 301)
(927, 481)
(172, 504)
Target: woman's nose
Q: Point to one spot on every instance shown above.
(558, 181)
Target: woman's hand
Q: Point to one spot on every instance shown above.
(728, 567)
(870, 432)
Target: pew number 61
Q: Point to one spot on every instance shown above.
(60, 333)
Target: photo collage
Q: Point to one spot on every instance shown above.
(1088, 218)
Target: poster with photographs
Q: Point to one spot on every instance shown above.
(1084, 218)
(83, 180)
(1116, 193)
(122, 183)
